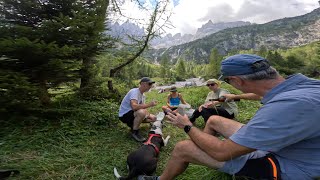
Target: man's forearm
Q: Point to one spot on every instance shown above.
(248, 96)
(220, 150)
(141, 106)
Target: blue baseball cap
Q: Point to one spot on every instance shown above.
(242, 64)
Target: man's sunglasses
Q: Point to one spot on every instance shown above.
(150, 84)
(211, 84)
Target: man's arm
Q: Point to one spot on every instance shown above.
(220, 150)
(135, 106)
(247, 96)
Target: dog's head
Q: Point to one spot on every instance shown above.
(157, 125)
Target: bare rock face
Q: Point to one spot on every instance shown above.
(282, 33)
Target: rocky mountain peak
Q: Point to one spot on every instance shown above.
(120, 30)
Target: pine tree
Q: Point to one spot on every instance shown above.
(180, 70)
(165, 68)
(214, 64)
(52, 40)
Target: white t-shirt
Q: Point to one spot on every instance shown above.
(126, 102)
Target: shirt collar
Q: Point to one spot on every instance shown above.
(284, 86)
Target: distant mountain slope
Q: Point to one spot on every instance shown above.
(282, 33)
(205, 30)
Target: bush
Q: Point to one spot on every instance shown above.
(17, 93)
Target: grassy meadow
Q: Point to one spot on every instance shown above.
(91, 141)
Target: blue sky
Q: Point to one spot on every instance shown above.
(175, 2)
(153, 2)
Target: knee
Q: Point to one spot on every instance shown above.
(181, 150)
(213, 120)
(164, 108)
(141, 112)
(152, 117)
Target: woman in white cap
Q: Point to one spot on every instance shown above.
(215, 103)
(173, 100)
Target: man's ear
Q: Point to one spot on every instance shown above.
(237, 81)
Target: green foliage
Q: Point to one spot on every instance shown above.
(302, 59)
(214, 64)
(181, 70)
(86, 140)
(50, 42)
(165, 69)
(16, 92)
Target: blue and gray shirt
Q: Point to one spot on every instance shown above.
(288, 125)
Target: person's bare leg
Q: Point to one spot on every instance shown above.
(139, 116)
(164, 108)
(226, 127)
(150, 118)
(186, 152)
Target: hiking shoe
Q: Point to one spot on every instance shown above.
(138, 137)
(142, 177)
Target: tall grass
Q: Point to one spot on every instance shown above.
(87, 140)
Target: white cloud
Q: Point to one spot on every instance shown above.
(189, 15)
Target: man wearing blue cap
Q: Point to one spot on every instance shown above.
(281, 141)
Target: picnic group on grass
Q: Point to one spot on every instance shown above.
(281, 140)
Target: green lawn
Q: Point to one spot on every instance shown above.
(66, 149)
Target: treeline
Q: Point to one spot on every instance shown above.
(304, 59)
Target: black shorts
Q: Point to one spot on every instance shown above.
(174, 108)
(128, 118)
(265, 168)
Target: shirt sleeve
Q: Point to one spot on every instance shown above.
(223, 92)
(278, 124)
(134, 95)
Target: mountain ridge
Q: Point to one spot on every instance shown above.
(128, 28)
(281, 33)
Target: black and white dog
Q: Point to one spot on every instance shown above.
(143, 161)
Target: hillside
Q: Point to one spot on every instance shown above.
(282, 33)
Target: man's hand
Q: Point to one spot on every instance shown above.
(178, 120)
(153, 103)
(209, 104)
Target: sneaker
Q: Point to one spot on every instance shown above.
(142, 177)
(138, 137)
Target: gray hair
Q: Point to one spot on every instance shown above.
(269, 73)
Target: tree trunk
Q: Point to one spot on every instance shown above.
(44, 94)
(86, 74)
